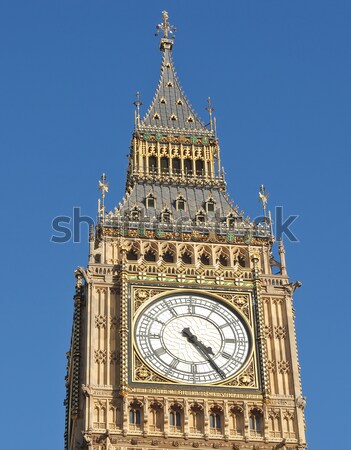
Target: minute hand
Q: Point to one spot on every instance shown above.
(205, 351)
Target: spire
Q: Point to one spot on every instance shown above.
(168, 32)
(170, 110)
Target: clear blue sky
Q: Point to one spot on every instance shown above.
(279, 74)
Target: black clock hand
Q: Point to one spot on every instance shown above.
(194, 340)
(205, 351)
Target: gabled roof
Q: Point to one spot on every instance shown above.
(170, 109)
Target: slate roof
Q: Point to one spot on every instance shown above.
(166, 196)
(170, 101)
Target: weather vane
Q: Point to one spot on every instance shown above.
(166, 27)
(103, 187)
(263, 198)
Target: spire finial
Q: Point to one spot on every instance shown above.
(263, 198)
(103, 187)
(137, 104)
(168, 32)
(209, 108)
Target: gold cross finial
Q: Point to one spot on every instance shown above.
(166, 27)
(165, 24)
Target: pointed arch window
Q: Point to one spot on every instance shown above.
(151, 201)
(210, 205)
(188, 166)
(256, 422)
(179, 101)
(170, 84)
(199, 165)
(163, 100)
(223, 260)
(168, 257)
(173, 117)
(150, 256)
(190, 119)
(155, 417)
(132, 255)
(164, 164)
(153, 164)
(200, 218)
(166, 216)
(196, 422)
(205, 259)
(175, 420)
(230, 220)
(176, 167)
(135, 214)
(215, 421)
(156, 116)
(135, 415)
(236, 422)
(186, 258)
(180, 203)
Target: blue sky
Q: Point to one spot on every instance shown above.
(278, 72)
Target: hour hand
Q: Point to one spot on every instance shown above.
(194, 340)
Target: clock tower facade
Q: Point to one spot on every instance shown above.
(182, 334)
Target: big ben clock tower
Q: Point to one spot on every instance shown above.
(182, 334)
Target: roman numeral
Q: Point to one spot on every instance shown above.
(173, 312)
(159, 351)
(226, 355)
(174, 363)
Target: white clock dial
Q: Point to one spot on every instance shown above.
(192, 338)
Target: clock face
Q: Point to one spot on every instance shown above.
(192, 339)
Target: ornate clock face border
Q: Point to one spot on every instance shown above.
(240, 300)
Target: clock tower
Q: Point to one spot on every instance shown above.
(183, 335)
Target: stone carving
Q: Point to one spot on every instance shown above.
(113, 321)
(281, 445)
(271, 365)
(241, 301)
(283, 366)
(114, 356)
(244, 379)
(143, 373)
(267, 331)
(280, 332)
(301, 402)
(100, 356)
(100, 321)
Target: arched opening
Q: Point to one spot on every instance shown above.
(132, 255)
(176, 167)
(150, 256)
(155, 418)
(196, 420)
(199, 165)
(205, 259)
(188, 166)
(175, 420)
(168, 257)
(186, 258)
(256, 423)
(164, 164)
(236, 421)
(215, 421)
(223, 260)
(152, 164)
